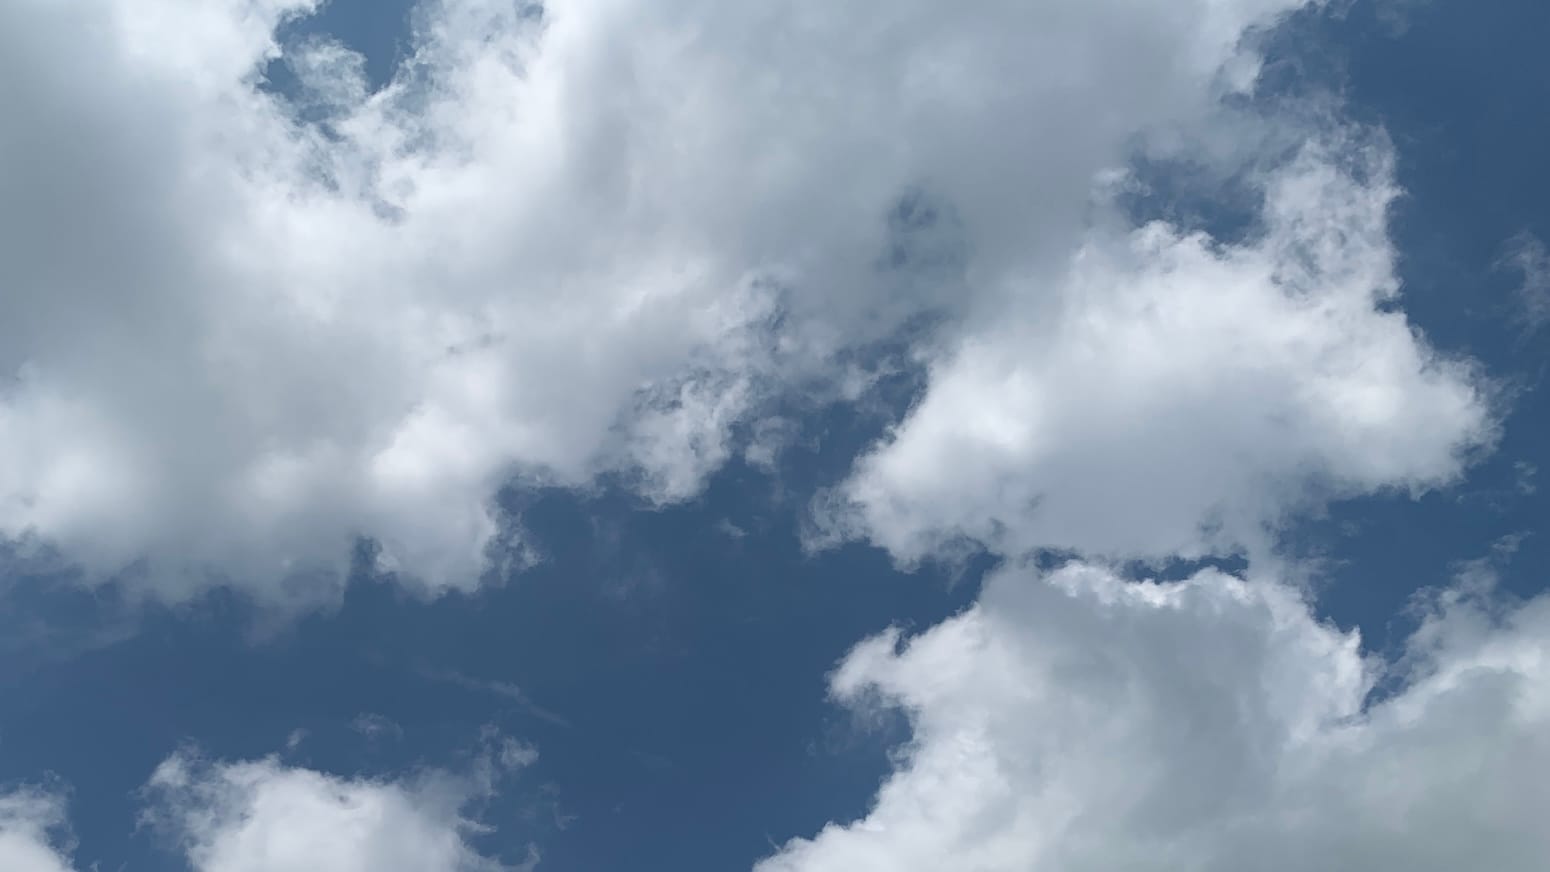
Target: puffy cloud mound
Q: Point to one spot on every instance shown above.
(264, 816)
(240, 330)
(27, 820)
(1083, 722)
(1171, 394)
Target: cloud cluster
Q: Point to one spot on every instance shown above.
(1171, 394)
(594, 238)
(1080, 721)
(240, 330)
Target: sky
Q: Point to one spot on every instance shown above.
(464, 435)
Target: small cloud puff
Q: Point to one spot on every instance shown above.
(265, 816)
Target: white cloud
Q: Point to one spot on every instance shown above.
(1161, 394)
(30, 822)
(1171, 394)
(264, 816)
(1082, 722)
(557, 245)
(593, 240)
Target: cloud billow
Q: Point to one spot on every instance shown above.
(1083, 721)
(241, 329)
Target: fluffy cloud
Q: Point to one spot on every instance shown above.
(239, 331)
(1083, 722)
(28, 819)
(1165, 393)
(263, 816)
(1171, 394)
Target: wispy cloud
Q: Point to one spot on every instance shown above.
(505, 690)
(376, 727)
(1526, 255)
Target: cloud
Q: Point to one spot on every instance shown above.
(30, 822)
(1526, 255)
(588, 238)
(374, 727)
(1169, 393)
(1079, 721)
(264, 816)
(503, 689)
(1164, 393)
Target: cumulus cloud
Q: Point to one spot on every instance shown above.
(264, 816)
(1080, 721)
(239, 330)
(1165, 393)
(31, 821)
(1168, 393)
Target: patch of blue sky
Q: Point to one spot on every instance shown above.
(1454, 85)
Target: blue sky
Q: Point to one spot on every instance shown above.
(557, 434)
